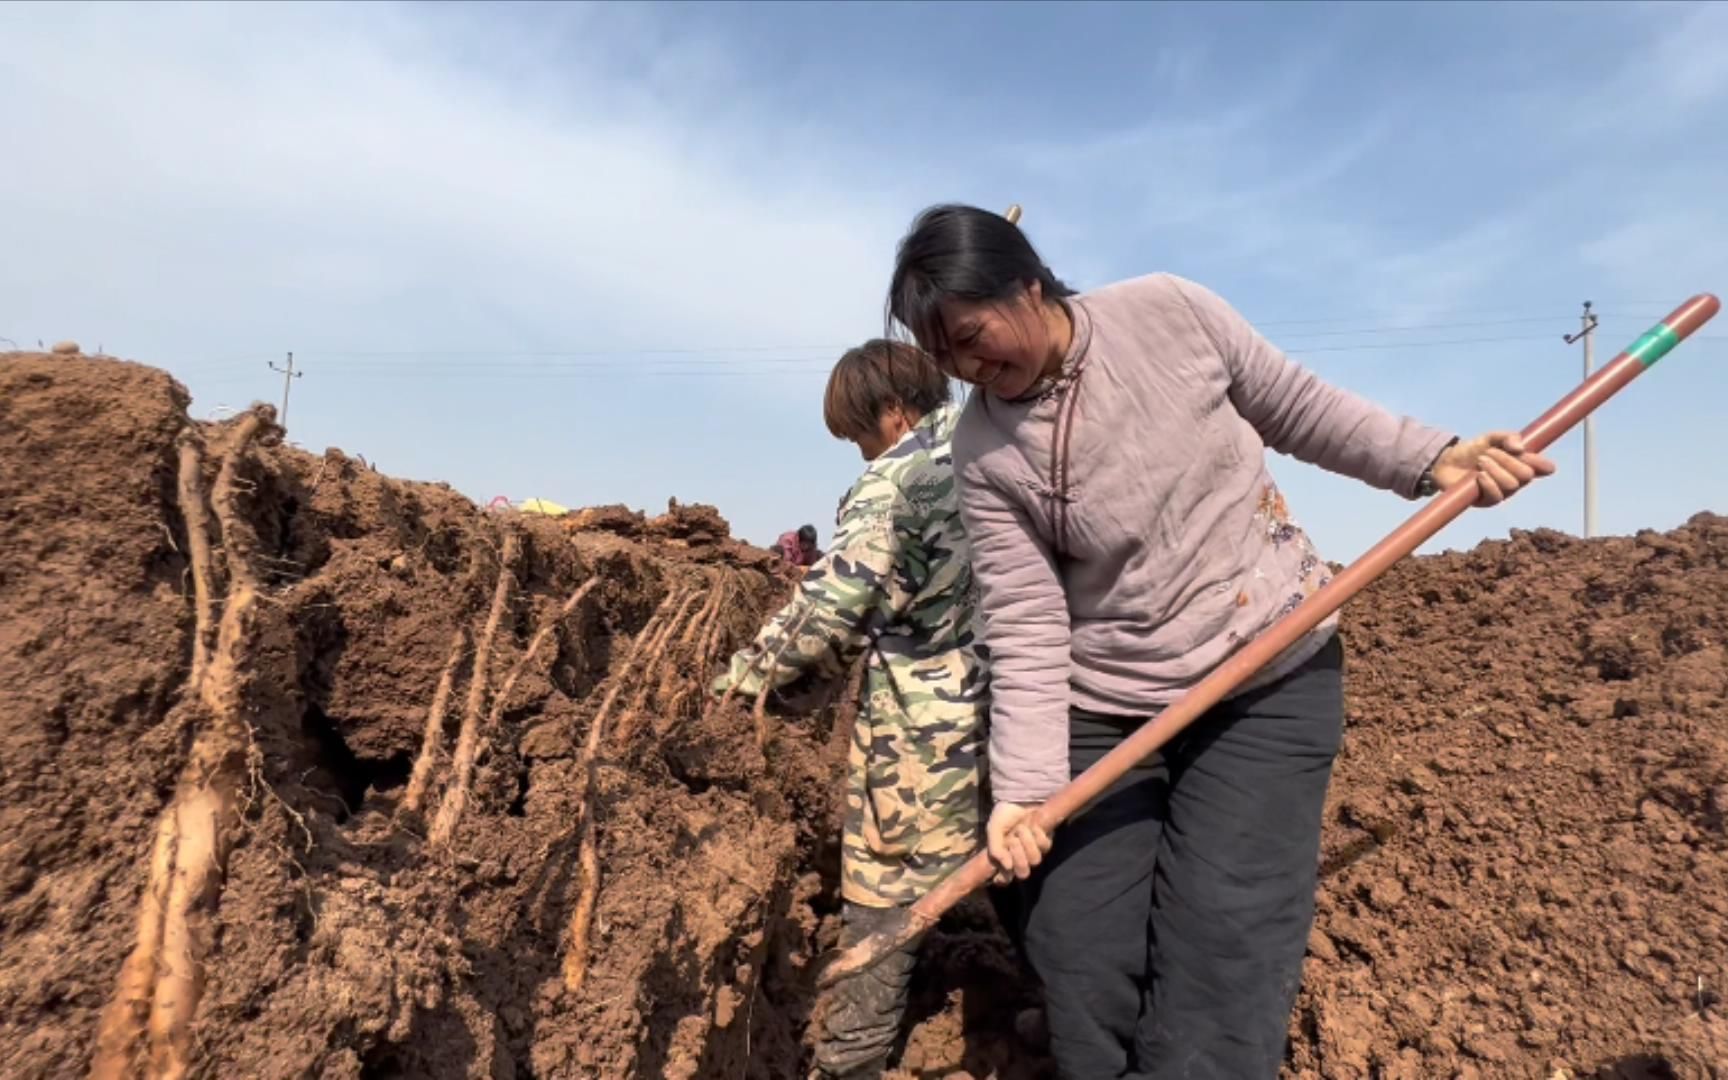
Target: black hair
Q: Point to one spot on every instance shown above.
(807, 533)
(956, 252)
(876, 376)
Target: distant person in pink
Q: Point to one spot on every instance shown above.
(799, 548)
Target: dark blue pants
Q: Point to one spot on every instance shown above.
(1169, 920)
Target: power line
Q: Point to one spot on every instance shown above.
(829, 350)
(804, 367)
(824, 350)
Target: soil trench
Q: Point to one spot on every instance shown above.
(310, 771)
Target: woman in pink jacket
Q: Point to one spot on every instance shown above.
(1127, 537)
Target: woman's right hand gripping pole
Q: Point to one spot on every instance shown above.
(1016, 840)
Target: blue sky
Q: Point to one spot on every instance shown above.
(608, 253)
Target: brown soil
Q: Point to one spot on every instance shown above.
(1529, 869)
(341, 943)
(1525, 848)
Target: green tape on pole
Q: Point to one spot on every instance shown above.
(1654, 345)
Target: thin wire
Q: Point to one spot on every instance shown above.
(727, 361)
(828, 350)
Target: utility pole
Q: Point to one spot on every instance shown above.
(288, 377)
(1587, 334)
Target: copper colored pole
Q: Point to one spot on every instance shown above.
(977, 871)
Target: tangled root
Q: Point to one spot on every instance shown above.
(759, 713)
(597, 727)
(693, 631)
(588, 860)
(656, 656)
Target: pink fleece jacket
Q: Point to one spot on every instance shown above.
(1117, 575)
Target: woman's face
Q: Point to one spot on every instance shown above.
(1000, 346)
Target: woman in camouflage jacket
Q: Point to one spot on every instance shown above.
(895, 583)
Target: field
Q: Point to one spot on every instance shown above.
(310, 771)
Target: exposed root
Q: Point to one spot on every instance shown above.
(760, 712)
(504, 692)
(582, 916)
(656, 654)
(772, 658)
(147, 1026)
(588, 864)
(197, 518)
(576, 957)
(597, 727)
(688, 638)
(238, 541)
(705, 628)
(711, 642)
(122, 1024)
(432, 741)
(468, 740)
(694, 631)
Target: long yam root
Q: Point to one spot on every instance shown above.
(432, 740)
(467, 741)
(123, 1022)
(192, 511)
(148, 1023)
(238, 540)
(576, 954)
(657, 650)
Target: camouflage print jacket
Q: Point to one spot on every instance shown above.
(897, 583)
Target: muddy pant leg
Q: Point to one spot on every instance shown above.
(1087, 910)
(861, 1013)
(1234, 888)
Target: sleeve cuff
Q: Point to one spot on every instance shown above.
(1024, 789)
(1428, 452)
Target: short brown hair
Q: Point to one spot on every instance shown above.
(876, 376)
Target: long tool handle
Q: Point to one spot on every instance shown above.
(1440, 511)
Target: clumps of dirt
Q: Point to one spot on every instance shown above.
(1526, 831)
(305, 770)
(697, 529)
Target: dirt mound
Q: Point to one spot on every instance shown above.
(301, 772)
(1528, 869)
(310, 771)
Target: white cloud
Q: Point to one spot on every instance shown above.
(201, 186)
(342, 150)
